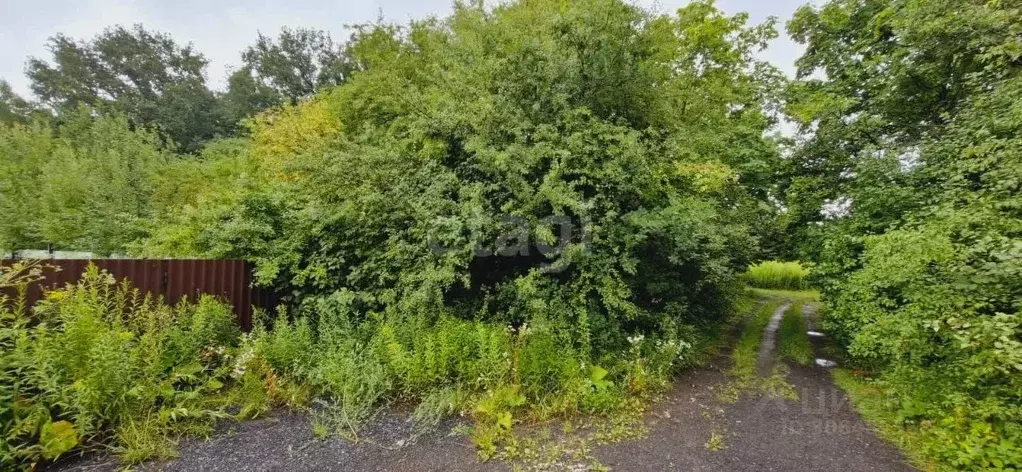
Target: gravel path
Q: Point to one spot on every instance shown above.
(285, 442)
(819, 432)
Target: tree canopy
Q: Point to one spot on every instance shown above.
(915, 126)
(145, 75)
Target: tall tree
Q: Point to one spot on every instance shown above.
(293, 66)
(14, 108)
(877, 80)
(144, 74)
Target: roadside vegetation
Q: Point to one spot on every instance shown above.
(870, 401)
(530, 210)
(743, 377)
(914, 145)
(778, 275)
(96, 365)
(502, 214)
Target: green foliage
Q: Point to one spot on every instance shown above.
(381, 191)
(141, 74)
(923, 313)
(870, 401)
(497, 375)
(88, 186)
(917, 128)
(293, 67)
(15, 109)
(778, 275)
(96, 365)
(371, 202)
(793, 338)
(803, 296)
(715, 443)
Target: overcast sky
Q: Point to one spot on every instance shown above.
(220, 29)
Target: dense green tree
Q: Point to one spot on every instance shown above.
(910, 118)
(293, 66)
(464, 134)
(246, 96)
(23, 151)
(14, 108)
(143, 74)
(86, 187)
(879, 78)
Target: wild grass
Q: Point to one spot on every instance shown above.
(142, 374)
(743, 372)
(793, 338)
(778, 275)
(803, 296)
(871, 401)
(777, 384)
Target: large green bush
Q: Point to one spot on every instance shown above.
(490, 128)
(414, 214)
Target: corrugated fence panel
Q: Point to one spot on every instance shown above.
(174, 280)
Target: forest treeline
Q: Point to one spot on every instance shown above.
(161, 85)
(340, 168)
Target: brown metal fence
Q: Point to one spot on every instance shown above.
(174, 279)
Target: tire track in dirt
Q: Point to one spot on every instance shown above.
(818, 432)
(765, 359)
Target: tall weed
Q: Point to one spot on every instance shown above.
(778, 275)
(96, 365)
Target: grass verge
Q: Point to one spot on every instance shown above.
(803, 296)
(870, 401)
(793, 338)
(743, 372)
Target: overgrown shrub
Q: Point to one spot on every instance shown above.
(401, 190)
(528, 208)
(927, 313)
